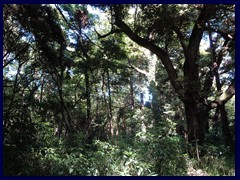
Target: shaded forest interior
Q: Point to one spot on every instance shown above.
(119, 89)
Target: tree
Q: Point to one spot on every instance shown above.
(186, 25)
(76, 77)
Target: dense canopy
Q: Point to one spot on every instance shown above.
(123, 89)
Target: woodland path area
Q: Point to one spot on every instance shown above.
(195, 172)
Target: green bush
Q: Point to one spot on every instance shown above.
(114, 160)
(217, 161)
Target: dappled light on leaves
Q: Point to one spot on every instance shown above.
(119, 90)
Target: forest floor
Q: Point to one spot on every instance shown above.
(195, 172)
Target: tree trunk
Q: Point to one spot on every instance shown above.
(58, 130)
(42, 86)
(215, 118)
(228, 138)
(64, 109)
(131, 93)
(131, 89)
(195, 125)
(8, 112)
(231, 90)
(67, 120)
(109, 94)
(110, 116)
(88, 95)
(189, 91)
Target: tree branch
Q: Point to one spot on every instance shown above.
(6, 63)
(225, 96)
(198, 29)
(139, 70)
(109, 33)
(225, 35)
(161, 54)
(191, 74)
(181, 38)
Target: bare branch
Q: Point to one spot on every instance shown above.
(225, 96)
(139, 70)
(113, 31)
(181, 39)
(225, 35)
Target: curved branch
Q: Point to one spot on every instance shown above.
(161, 54)
(140, 70)
(113, 31)
(225, 96)
(198, 29)
(226, 36)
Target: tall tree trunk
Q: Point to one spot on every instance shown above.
(8, 112)
(109, 94)
(131, 88)
(87, 84)
(215, 118)
(58, 130)
(131, 93)
(64, 109)
(42, 86)
(228, 137)
(68, 119)
(187, 92)
(195, 126)
(104, 102)
(110, 106)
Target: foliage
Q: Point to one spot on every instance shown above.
(103, 90)
(217, 161)
(167, 153)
